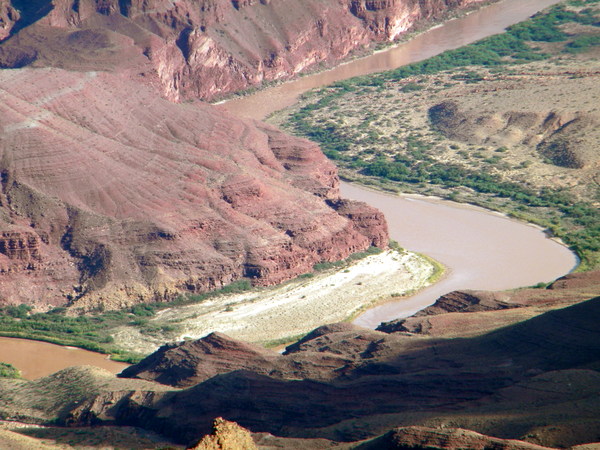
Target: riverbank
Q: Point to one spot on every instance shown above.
(283, 313)
(375, 48)
(452, 34)
(28, 356)
(460, 31)
(482, 124)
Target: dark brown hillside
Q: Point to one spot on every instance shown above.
(469, 313)
(410, 381)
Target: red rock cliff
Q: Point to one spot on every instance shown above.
(207, 48)
(112, 195)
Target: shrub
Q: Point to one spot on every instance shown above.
(9, 371)
(410, 87)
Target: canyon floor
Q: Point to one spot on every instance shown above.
(525, 366)
(510, 123)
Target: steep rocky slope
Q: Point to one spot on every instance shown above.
(207, 48)
(111, 195)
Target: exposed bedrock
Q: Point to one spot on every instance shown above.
(192, 362)
(206, 48)
(8, 17)
(226, 435)
(448, 312)
(111, 195)
(419, 438)
(456, 301)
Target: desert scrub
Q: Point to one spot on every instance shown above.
(89, 332)
(93, 330)
(412, 159)
(320, 267)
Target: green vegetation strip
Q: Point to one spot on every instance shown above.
(93, 331)
(576, 223)
(8, 371)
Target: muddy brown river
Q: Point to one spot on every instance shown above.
(484, 22)
(482, 250)
(36, 359)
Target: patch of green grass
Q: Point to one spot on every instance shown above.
(411, 87)
(93, 331)
(8, 371)
(439, 270)
(275, 343)
(320, 267)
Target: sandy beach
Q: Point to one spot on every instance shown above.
(291, 309)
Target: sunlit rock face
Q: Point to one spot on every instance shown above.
(111, 195)
(208, 48)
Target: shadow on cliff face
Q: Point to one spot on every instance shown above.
(30, 11)
(458, 379)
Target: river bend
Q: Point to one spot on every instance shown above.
(482, 250)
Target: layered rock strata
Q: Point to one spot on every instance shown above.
(208, 48)
(111, 195)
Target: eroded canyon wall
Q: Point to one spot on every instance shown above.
(111, 195)
(209, 48)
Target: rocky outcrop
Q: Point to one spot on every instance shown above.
(536, 380)
(472, 313)
(20, 246)
(191, 362)
(368, 220)
(8, 17)
(111, 195)
(586, 281)
(473, 383)
(226, 436)
(572, 145)
(456, 301)
(566, 138)
(387, 19)
(464, 301)
(205, 49)
(229, 435)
